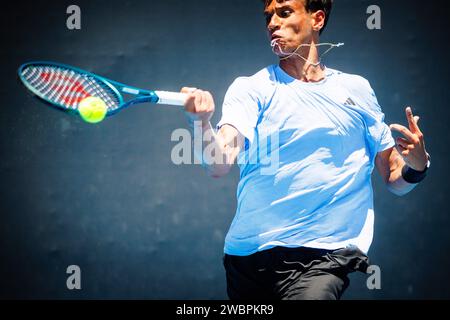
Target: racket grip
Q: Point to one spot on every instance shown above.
(171, 98)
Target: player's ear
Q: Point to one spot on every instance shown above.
(318, 20)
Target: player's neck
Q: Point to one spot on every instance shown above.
(302, 70)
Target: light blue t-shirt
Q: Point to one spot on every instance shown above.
(305, 171)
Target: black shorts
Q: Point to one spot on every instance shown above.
(292, 273)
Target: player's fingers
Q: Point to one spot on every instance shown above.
(198, 100)
(401, 150)
(205, 102)
(187, 90)
(201, 101)
(190, 101)
(411, 122)
(195, 94)
(405, 132)
(418, 132)
(210, 100)
(190, 92)
(404, 143)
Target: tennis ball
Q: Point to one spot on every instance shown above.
(92, 109)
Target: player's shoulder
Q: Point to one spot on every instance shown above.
(353, 81)
(354, 84)
(258, 83)
(262, 76)
(358, 88)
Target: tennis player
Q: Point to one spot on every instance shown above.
(300, 229)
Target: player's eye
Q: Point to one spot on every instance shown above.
(285, 13)
(268, 18)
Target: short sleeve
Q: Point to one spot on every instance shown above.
(241, 108)
(386, 139)
(379, 130)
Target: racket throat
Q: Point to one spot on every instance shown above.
(149, 97)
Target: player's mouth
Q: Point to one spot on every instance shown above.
(275, 36)
(276, 42)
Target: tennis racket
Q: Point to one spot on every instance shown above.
(64, 87)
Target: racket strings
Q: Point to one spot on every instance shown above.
(67, 87)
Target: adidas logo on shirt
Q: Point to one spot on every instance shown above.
(350, 102)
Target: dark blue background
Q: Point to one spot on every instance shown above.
(108, 198)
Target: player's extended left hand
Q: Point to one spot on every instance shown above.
(412, 145)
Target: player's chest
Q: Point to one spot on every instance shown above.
(301, 111)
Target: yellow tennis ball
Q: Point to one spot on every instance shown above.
(92, 109)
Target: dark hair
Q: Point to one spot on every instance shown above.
(313, 6)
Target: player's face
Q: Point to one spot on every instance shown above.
(289, 23)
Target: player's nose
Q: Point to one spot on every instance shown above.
(274, 24)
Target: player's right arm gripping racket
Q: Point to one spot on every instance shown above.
(64, 87)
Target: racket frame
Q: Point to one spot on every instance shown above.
(116, 87)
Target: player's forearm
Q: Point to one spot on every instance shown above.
(215, 151)
(397, 184)
(211, 150)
